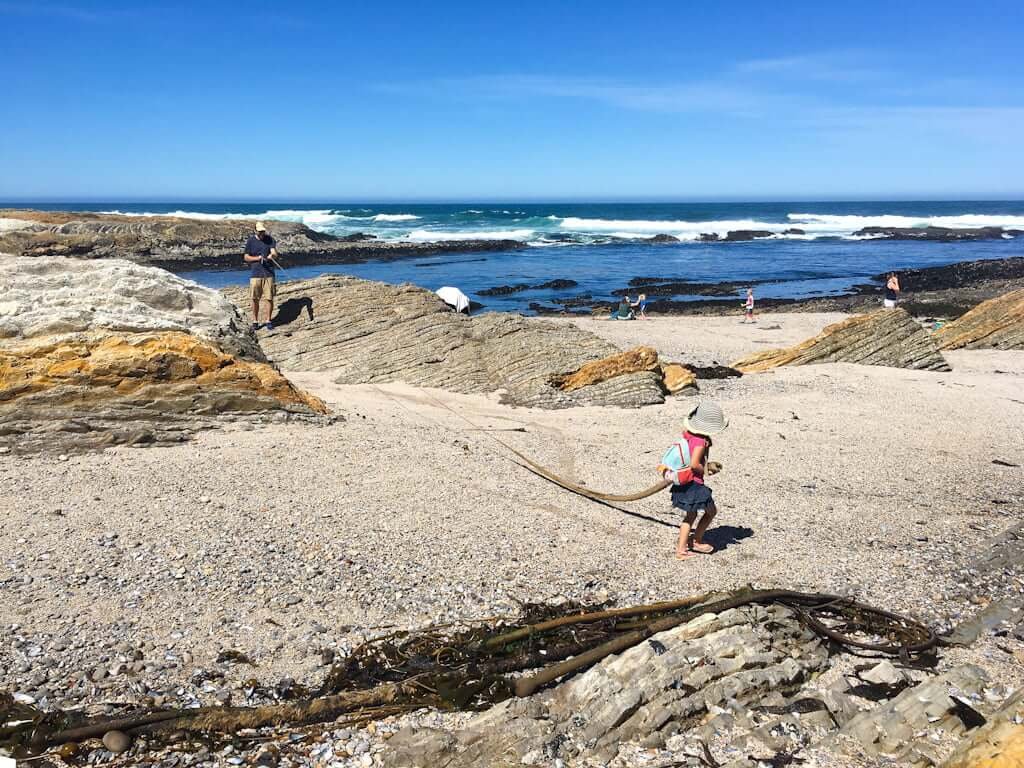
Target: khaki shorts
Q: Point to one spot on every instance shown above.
(262, 288)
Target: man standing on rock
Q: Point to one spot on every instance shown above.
(260, 253)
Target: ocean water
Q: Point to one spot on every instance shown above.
(602, 246)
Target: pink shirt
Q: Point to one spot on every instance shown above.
(694, 442)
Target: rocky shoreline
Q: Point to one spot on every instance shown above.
(943, 292)
(180, 244)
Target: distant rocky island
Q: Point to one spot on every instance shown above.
(184, 244)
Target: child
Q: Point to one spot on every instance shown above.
(640, 306)
(749, 306)
(685, 465)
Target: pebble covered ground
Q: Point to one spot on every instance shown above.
(135, 575)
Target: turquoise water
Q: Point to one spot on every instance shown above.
(602, 245)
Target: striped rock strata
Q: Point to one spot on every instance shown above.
(887, 337)
(646, 695)
(367, 332)
(994, 324)
(94, 354)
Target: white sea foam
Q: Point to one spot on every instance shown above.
(395, 217)
(188, 215)
(834, 223)
(684, 230)
(427, 235)
(309, 218)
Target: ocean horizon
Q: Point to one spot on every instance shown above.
(805, 249)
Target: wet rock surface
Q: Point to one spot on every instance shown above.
(885, 337)
(937, 234)
(505, 290)
(181, 244)
(946, 291)
(93, 355)
(653, 286)
(366, 332)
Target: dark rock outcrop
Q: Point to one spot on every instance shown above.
(994, 324)
(550, 285)
(664, 239)
(95, 354)
(737, 235)
(681, 288)
(959, 275)
(181, 244)
(887, 337)
(938, 234)
(367, 332)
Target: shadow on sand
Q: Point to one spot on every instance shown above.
(722, 536)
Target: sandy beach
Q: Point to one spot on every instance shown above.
(131, 570)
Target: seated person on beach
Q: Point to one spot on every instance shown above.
(685, 464)
(623, 312)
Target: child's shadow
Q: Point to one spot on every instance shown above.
(721, 536)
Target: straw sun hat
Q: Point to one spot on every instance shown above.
(706, 419)
(260, 227)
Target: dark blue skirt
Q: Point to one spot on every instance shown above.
(691, 497)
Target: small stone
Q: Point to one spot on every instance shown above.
(117, 741)
(883, 673)
(62, 457)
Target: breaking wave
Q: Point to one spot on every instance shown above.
(540, 228)
(427, 235)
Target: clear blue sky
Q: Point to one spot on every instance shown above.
(463, 100)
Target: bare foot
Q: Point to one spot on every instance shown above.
(683, 555)
(702, 548)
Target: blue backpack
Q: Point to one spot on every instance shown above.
(677, 457)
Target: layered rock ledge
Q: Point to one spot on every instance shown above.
(95, 354)
(887, 337)
(181, 244)
(368, 332)
(994, 324)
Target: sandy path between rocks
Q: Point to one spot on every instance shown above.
(291, 540)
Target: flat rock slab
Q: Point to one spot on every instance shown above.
(994, 324)
(368, 332)
(648, 693)
(888, 337)
(893, 729)
(94, 354)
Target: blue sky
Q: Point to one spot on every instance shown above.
(525, 100)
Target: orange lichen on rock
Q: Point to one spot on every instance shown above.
(676, 378)
(631, 361)
(994, 324)
(152, 365)
(997, 744)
